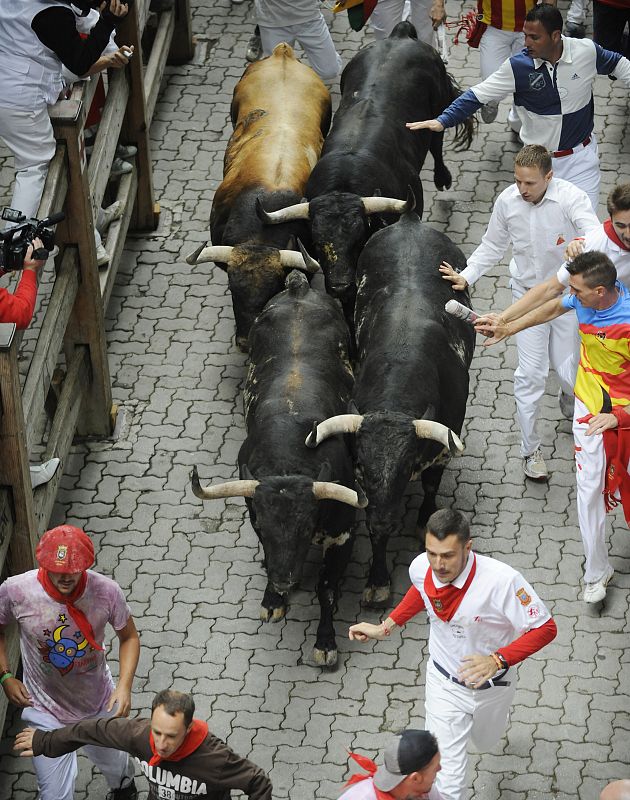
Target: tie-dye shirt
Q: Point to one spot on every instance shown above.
(604, 351)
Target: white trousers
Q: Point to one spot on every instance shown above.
(495, 47)
(56, 776)
(590, 467)
(388, 13)
(455, 715)
(554, 343)
(314, 38)
(577, 11)
(29, 136)
(581, 169)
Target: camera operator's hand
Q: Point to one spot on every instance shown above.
(116, 60)
(29, 262)
(114, 7)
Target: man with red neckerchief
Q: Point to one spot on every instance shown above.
(62, 610)
(484, 619)
(179, 756)
(411, 761)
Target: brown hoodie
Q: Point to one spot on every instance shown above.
(211, 771)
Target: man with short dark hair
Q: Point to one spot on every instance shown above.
(484, 618)
(179, 756)
(537, 215)
(552, 83)
(411, 760)
(602, 394)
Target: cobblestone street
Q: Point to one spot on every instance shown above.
(193, 571)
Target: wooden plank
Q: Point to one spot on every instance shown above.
(157, 60)
(116, 235)
(182, 47)
(107, 137)
(13, 655)
(56, 186)
(64, 424)
(49, 341)
(136, 128)
(14, 467)
(7, 521)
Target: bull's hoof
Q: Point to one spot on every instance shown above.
(376, 596)
(272, 614)
(442, 179)
(324, 658)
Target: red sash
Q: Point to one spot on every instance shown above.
(445, 601)
(195, 737)
(68, 600)
(370, 766)
(612, 235)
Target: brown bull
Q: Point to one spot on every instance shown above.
(281, 112)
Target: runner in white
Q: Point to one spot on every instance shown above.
(538, 215)
(484, 618)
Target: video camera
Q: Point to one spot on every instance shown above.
(15, 240)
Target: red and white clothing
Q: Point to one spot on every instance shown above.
(67, 679)
(598, 239)
(488, 608)
(538, 234)
(365, 790)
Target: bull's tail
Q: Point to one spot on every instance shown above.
(463, 133)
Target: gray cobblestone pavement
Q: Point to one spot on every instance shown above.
(193, 573)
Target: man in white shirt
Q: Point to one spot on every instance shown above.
(484, 618)
(425, 15)
(537, 215)
(411, 761)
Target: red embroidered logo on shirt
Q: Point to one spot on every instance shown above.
(533, 612)
(437, 604)
(523, 596)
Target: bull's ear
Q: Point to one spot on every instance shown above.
(325, 472)
(246, 474)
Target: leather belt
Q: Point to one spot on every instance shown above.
(571, 150)
(487, 685)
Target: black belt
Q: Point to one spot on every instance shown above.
(487, 685)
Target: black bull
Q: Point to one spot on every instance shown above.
(412, 385)
(299, 372)
(370, 158)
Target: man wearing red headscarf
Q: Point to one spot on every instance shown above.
(62, 610)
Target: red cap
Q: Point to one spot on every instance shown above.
(65, 549)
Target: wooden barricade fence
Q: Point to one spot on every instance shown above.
(71, 342)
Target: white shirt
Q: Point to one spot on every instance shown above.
(280, 14)
(538, 233)
(596, 239)
(498, 607)
(364, 790)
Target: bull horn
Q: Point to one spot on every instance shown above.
(288, 214)
(343, 423)
(384, 205)
(427, 429)
(291, 259)
(325, 490)
(227, 489)
(213, 252)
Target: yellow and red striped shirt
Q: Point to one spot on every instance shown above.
(506, 15)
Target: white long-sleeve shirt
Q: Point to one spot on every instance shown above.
(538, 233)
(598, 240)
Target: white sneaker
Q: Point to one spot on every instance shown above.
(126, 150)
(534, 466)
(595, 592)
(566, 403)
(42, 473)
(102, 256)
(120, 167)
(109, 215)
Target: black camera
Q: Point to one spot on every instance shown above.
(15, 240)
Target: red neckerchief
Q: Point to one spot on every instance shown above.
(612, 235)
(370, 766)
(445, 601)
(195, 737)
(69, 600)
(617, 450)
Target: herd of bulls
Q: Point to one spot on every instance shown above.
(374, 386)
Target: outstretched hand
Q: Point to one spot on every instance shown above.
(428, 124)
(493, 327)
(455, 278)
